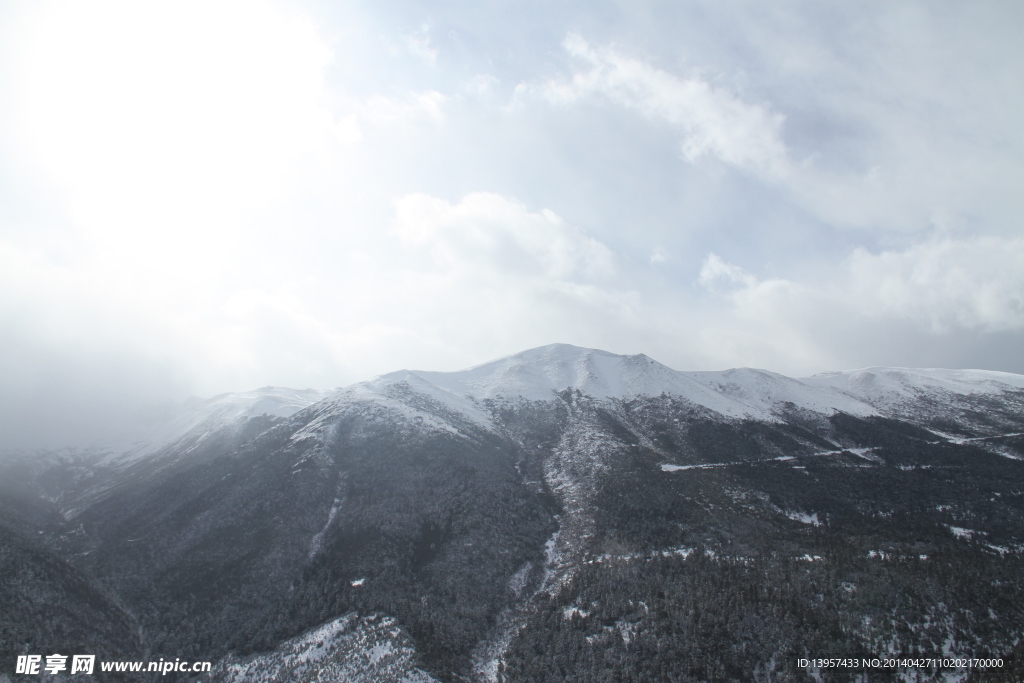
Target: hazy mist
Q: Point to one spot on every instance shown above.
(201, 197)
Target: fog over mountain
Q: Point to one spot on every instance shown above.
(559, 514)
(205, 197)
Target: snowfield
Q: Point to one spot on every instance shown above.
(452, 401)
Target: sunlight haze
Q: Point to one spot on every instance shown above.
(203, 197)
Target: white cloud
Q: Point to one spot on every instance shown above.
(491, 234)
(975, 284)
(936, 288)
(914, 136)
(420, 47)
(715, 271)
(712, 120)
(481, 84)
(486, 272)
(428, 103)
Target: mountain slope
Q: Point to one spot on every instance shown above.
(568, 514)
(46, 602)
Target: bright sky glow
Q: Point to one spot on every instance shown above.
(199, 197)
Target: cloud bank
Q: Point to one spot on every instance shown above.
(209, 197)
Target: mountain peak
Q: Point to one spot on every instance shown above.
(537, 374)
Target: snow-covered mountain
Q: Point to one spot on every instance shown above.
(971, 403)
(543, 374)
(887, 385)
(539, 374)
(552, 515)
(928, 393)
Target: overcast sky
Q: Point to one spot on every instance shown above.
(205, 196)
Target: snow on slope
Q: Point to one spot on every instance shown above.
(441, 400)
(403, 395)
(766, 392)
(888, 383)
(888, 387)
(450, 400)
(538, 373)
(371, 649)
(208, 417)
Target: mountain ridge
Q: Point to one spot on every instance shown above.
(540, 373)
